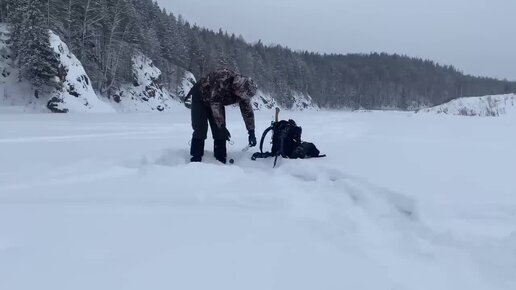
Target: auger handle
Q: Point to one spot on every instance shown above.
(276, 118)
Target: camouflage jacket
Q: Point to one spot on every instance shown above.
(217, 92)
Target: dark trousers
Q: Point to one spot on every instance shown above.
(201, 116)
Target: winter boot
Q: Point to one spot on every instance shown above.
(220, 151)
(197, 150)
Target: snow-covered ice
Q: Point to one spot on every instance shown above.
(404, 201)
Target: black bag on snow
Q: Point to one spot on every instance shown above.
(287, 143)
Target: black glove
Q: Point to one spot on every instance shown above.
(252, 138)
(227, 135)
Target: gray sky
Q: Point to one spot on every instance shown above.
(476, 36)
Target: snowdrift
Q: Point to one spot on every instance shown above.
(487, 106)
(131, 212)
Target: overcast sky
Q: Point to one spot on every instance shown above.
(476, 36)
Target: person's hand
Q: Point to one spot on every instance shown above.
(252, 139)
(227, 135)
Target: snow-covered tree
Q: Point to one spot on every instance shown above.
(105, 34)
(30, 43)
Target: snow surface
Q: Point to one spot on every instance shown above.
(486, 106)
(403, 201)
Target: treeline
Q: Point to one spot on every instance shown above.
(104, 34)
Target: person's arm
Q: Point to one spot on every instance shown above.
(248, 114)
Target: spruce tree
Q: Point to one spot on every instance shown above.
(37, 61)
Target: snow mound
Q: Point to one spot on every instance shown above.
(487, 106)
(77, 94)
(146, 93)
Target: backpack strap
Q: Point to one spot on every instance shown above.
(320, 156)
(259, 155)
(264, 136)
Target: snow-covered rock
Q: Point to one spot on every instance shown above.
(303, 102)
(263, 101)
(146, 93)
(77, 94)
(186, 85)
(487, 106)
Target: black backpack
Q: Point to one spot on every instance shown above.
(287, 143)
